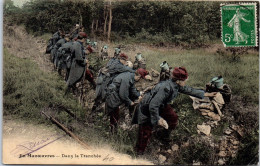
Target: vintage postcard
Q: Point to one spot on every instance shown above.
(98, 82)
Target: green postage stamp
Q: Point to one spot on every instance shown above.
(239, 25)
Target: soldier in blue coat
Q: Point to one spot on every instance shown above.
(53, 40)
(114, 67)
(61, 42)
(57, 36)
(121, 91)
(75, 32)
(64, 56)
(78, 65)
(155, 108)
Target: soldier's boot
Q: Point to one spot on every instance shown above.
(164, 137)
(114, 118)
(113, 129)
(138, 153)
(93, 83)
(94, 107)
(166, 140)
(59, 72)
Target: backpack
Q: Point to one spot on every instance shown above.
(49, 47)
(225, 91)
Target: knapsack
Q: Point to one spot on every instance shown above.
(225, 91)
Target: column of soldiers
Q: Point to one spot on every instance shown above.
(115, 85)
(68, 54)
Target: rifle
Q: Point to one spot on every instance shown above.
(53, 120)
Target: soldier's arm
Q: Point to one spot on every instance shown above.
(78, 53)
(124, 91)
(134, 92)
(156, 103)
(122, 68)
(192, 92)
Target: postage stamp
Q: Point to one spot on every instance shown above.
(239, 25)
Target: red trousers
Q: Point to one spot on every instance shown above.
(114, 117)
(145, 130)
(89, 76)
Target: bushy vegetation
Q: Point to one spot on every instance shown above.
(178, 22)
(28, 90)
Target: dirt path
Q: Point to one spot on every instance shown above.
(49, 145)
(22, 45)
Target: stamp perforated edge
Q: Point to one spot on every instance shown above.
(256, 21)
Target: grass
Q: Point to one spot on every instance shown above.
(27, 89)
(46, 36)
(202, 66)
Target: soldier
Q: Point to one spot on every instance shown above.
(139, 62)
(79, 61)
(94, 46)
(154, 109)
(64, 56)
(106, 74)
(119, 92)
(89, 74)
(142, 73)
(55, 38)
(165, 73)
(117, 52)
(55, 49)
(104, 52)
(74, 33)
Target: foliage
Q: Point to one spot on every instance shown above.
(178, 22)
(9, 7)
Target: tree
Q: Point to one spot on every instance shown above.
(110, 22)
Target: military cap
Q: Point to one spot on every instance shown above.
(180, 73)
(123, 56)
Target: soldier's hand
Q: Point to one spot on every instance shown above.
(139, 98)
(163, 123)
(212, 94)
(132, 103)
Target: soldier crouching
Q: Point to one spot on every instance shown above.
(119, 92)
(155, 108)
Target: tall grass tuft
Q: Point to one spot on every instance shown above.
(202, 66)
(27, 89)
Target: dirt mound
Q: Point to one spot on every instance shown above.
(21, 44)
